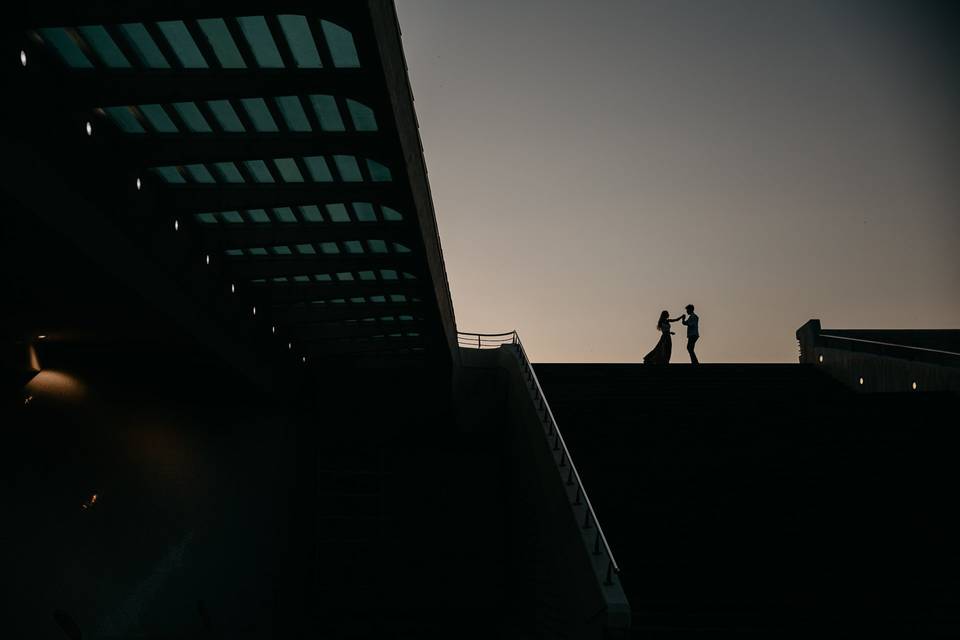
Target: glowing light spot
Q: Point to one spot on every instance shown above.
(89, 129)
(23, 58)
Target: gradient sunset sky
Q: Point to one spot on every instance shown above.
(770, 161)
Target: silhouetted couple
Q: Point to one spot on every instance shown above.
(662, 352)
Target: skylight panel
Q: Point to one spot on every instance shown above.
(258, 216)
(157, 116)
(288, 170)
(124, 118)
(258, 36)
(258, 169)
(231, 217)
(66, 47)
(192, 117)
(301, 41)
(222, 43)
(377, 246)
(177, 34)
(226, 117)
(170, 175)
(259, 114)
(104, 46)
(310, 213)
(348, 168)
(144, 46)
(391, 215)
(362, 116)
(293, 114)
(378, 172)
(284, 214)
(364, 211)
(319, 171)
(337, 212)
(327, 112)
(200, 173)
(228, 172)
(343, 51)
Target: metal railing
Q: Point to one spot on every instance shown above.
(512, 340)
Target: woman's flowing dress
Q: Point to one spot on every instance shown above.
(662, 352)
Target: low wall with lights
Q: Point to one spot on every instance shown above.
(878, 366)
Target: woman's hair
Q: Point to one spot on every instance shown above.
(663, 316)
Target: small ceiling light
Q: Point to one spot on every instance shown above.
(89, 129)
(233, 288)
(23, 58)
(861, 380)
(914, 386)
(176, 225)
(208, 258)
(821, 358)
(139, 184)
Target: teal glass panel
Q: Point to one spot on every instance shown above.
(367, 276)
(256, 251)
(327, 113)
(364, 211)
(337, 213)
(231, 217)
(409, 276)
(306, 249)
(378, 172)
(353, 246)
(397, 297)
(104, 46)
(391, 215)
(144, 46)
(400, 248)
(226, 116)
(258, 216)
(258, 169)
(280, 279)
(377, 246)
(288, 170)
(157, 116)
(218, 35)
(301, 278)
(362, 116)
(234, 252)
(358, 300)
(206, 218)
(310, 213)
(170, 175)
(177, 34)
(319, 171)
(282, 250)
(329, 248)
(348, 168)
(191, 116)
(322, 277)
(259, 115)
(340, 42)
(200, 173)
(284, 214)
(257, 33)
(124, 118)
(301, 41)
(293, 114)
(377, 299)
(229, 172)
(66, 47)
(388, 274)
(345, 276)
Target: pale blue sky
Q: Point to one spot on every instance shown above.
(768, 160)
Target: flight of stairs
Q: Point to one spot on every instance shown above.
(759, 499)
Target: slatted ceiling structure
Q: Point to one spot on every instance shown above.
(276, 139)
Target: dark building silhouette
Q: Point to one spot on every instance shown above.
(236, 403)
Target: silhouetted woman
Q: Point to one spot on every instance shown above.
(661, 353)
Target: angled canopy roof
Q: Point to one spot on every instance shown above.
(280, 139)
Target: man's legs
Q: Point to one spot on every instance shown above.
(691, 343)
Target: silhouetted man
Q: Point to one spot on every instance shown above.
(692, 321)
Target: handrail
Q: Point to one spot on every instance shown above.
(468, 340)
(888, 344)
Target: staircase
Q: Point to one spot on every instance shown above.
(758, 499)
